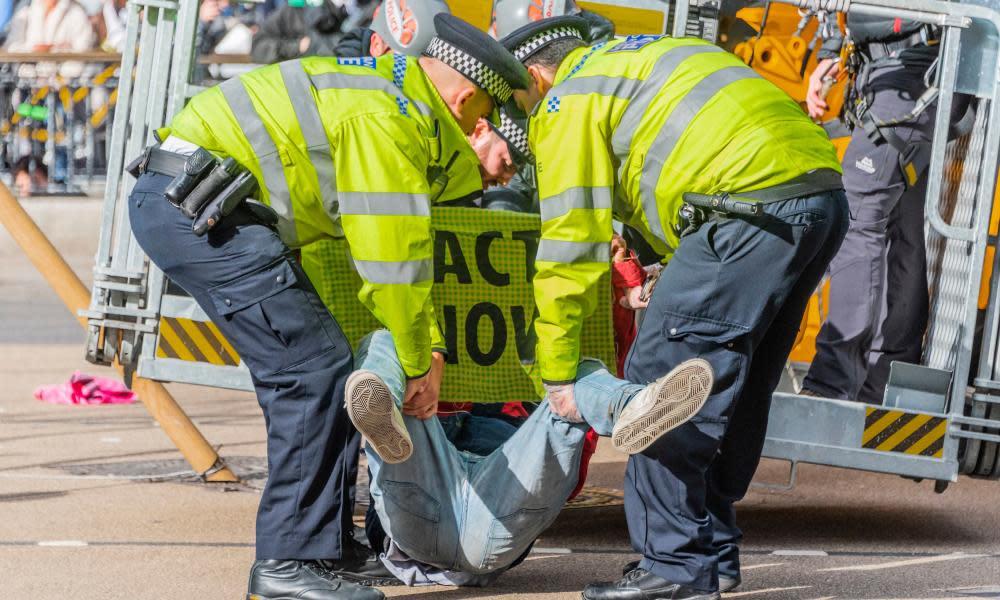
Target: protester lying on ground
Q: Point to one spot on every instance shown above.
(471, 518)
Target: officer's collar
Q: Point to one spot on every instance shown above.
(446, 136)
(565, 70)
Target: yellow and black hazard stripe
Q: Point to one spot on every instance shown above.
(194, 341)
(905, 432)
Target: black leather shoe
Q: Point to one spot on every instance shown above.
(359, 564)
(302, 580)
(640, 584)
(726, 584)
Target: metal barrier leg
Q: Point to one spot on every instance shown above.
(158, 401)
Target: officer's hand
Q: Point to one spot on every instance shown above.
(562, 402)
(632, 299)
(422, 403)
(828, 68)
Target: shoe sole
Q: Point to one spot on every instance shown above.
(678, 396)
(370, 407)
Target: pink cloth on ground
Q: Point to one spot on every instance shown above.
(86, 389)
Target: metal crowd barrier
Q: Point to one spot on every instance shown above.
(57, 106)
(62, 104)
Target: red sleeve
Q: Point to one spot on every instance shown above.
(589, 448)
(627, 273)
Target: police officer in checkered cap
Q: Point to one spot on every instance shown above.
(479, 58)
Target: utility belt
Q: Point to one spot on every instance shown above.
(701, 208)
(204, 188)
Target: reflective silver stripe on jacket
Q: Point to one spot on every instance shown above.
(664, 68)
(556, 206)
(395, 272)
(605, 85)
(385, 204)
(266, 150)
(673, 128)
(560, 251)
(318, 144)
(373, 82)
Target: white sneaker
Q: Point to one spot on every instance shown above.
(663, 405)
(373, 411)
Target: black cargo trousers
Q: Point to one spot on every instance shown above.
(250, 285)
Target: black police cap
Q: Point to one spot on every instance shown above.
(513, 129)
(531, 38)
(477, 56)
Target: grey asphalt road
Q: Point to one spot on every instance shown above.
(95, 503)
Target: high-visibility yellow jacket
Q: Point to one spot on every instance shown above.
(628, 127)
(343, 148)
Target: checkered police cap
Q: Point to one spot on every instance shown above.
(539, 41)
(514, 132)
(526, 41)
(477, 56)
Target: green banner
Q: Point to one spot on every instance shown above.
(483, 297)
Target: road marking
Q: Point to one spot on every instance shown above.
(751, 567)
(905, 563)
(765, 591)
(551, 551)
(64, 543)
(799, 553)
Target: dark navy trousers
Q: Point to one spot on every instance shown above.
(878, 281)
(253, 289)
(733, 294)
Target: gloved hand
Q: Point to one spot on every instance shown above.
(562, 402)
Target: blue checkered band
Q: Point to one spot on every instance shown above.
(472, 68)
(539, 41)
(553, 104)
(398, 77)
(361, 61)
(585, 58)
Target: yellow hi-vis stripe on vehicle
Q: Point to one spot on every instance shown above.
(194, 341)
(905, 432)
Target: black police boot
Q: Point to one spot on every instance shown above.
(302, 580)
(726, 584)
(640, 584)
(359, 564)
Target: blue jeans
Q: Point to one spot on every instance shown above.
(462, 512)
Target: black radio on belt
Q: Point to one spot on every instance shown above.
(206, 189)
(224, 202)
(196, 167)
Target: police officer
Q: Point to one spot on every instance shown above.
(340, 147)
(878, 283)
(632, 129)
